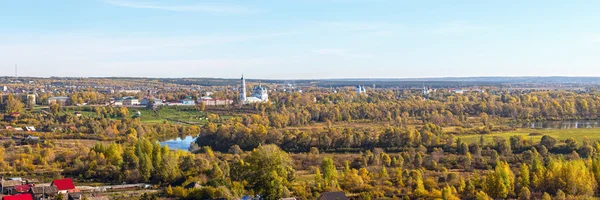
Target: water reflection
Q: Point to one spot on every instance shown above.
(179, 143)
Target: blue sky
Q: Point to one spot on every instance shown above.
(299, 39)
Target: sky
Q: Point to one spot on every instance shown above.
(299, 39)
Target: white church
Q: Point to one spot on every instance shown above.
(259, 94)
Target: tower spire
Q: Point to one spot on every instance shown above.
(243, 92)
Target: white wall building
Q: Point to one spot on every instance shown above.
(131, 101)
(259, 94)
(360, 90)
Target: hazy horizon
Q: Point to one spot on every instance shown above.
(295, 40)
(342, 78)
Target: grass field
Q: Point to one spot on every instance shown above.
(560, 134)
(174, 114)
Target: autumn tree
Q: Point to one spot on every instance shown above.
(270, 172)
(500, 182)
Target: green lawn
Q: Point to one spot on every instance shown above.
(560, 134)
(171, 113)
(148, 115)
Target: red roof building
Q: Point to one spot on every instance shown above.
(64, 184)
(22, 188)
(18, 197)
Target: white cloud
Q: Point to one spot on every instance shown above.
(211, 8)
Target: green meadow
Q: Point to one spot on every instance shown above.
(560, 134)
(172, 114)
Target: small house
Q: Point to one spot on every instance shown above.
(188, 102)
(130, 101)
(21, 189)
(9, 185)
(13, 116)
(30, 128)
(75, 196)
(58, 100)
(39, 192)
(63, 185)
(194, 185)
(30, 140)
(333, 196)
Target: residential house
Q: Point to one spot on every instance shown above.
(128, 91)
(12, 116)
(76, 196)
(9, 185)
(194, 185)
(117, 103)
(43, 192)
(30, 128)
(333, 196)
(29, 99)
(59, 100)
(130, 101)
(18, 197)
(21, 189)
(188, 101)
(209, 101)
(145, 101)
(30, 140)
(64, 185)
(148, 101)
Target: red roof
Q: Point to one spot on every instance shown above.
(64, 184)
(22, 188)
(18, 197)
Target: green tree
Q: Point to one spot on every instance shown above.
(319, 178)
(524, 175)
(13, 104)
(330, 173)
(123, 111)
(383, 174)
(500, 182)
(448, 195)
(481, 195)
(270, 172)
(419, 186)
(560, 195)
(524, 194)
(546, 196)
